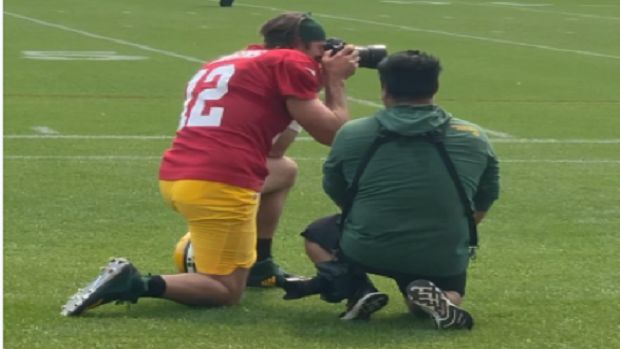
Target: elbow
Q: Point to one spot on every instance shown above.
(275, 155)
(325, 141)
(326, 137)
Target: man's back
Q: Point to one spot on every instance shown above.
(407, 204)
(234, 108)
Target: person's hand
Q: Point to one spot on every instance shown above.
(342, 65)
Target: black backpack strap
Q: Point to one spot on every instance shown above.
(437, 138)
(382, 138)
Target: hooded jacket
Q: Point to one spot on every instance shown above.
(407, 216)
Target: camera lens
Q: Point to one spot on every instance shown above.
(371, 56)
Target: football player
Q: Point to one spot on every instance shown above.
(215, 170)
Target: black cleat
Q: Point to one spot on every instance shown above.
(118, 282)
(433, 301)
(226, 3)
(364, 304)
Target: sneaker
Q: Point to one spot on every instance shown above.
(226, 3)
(269, 274)
(433, 301)
(365, 303)
(119, 281)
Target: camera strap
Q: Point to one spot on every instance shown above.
(435, 137)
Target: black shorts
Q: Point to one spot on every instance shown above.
(325, 233)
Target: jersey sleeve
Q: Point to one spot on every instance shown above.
(299, 78)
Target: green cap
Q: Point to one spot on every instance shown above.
(311, 30)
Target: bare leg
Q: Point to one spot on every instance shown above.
(206, 290)
(282, 176)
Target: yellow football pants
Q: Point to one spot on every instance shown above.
(222, 222)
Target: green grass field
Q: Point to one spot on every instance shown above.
(83, 139)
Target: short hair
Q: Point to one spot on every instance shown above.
(409, 75)
(283, 30)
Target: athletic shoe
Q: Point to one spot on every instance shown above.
(433, 301)
(365, 303)
(269, 274)
(119, 281)
(226, 3)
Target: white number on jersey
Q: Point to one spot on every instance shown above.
(197, 115)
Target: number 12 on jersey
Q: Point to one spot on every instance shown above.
(196, 110)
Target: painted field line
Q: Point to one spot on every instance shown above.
(44, 130)
(106, 38)
(557, 141)
(302, 139)
(445, 33)
(301, 158)
(512, 7)
(377, 105)
(518, 8)
(365, 102)
(87, 137)
(174, 54)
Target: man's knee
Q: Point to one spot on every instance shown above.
(282, 174)
(316, 253)
(289, 168)
(235, 285)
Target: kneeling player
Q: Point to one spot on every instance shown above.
(215, 170)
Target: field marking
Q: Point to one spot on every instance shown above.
(302, 138)
(101, 37)
(519, 4)
(364, 102)
(512, 6)
(585, 15)
(79, 56)
(44, 130)
(445, 33)
(300, 158)
(176, 55)
(377, 105)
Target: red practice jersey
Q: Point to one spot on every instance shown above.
(234, 108)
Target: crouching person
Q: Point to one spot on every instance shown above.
(413, 183)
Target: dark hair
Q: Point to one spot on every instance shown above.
(283, 30)
(410, 75)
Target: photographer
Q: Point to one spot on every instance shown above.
(413, 183)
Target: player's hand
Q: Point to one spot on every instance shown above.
(342, 65)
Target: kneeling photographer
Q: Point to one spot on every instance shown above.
(412, 183)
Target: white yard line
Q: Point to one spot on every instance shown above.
(508, 6)
(87, 137)
(517, 8)
(445, 33)
(377, 105)
(301, 158)
(44, 130)
(301, 138)
(168, 53)
(174, 54)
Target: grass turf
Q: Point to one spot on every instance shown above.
(546, 276)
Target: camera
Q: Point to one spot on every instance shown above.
(370, 56)
(334, 282)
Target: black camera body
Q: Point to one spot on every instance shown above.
(370, 56)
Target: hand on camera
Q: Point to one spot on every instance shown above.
(342, 65)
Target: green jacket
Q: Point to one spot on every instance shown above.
(407, 216)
